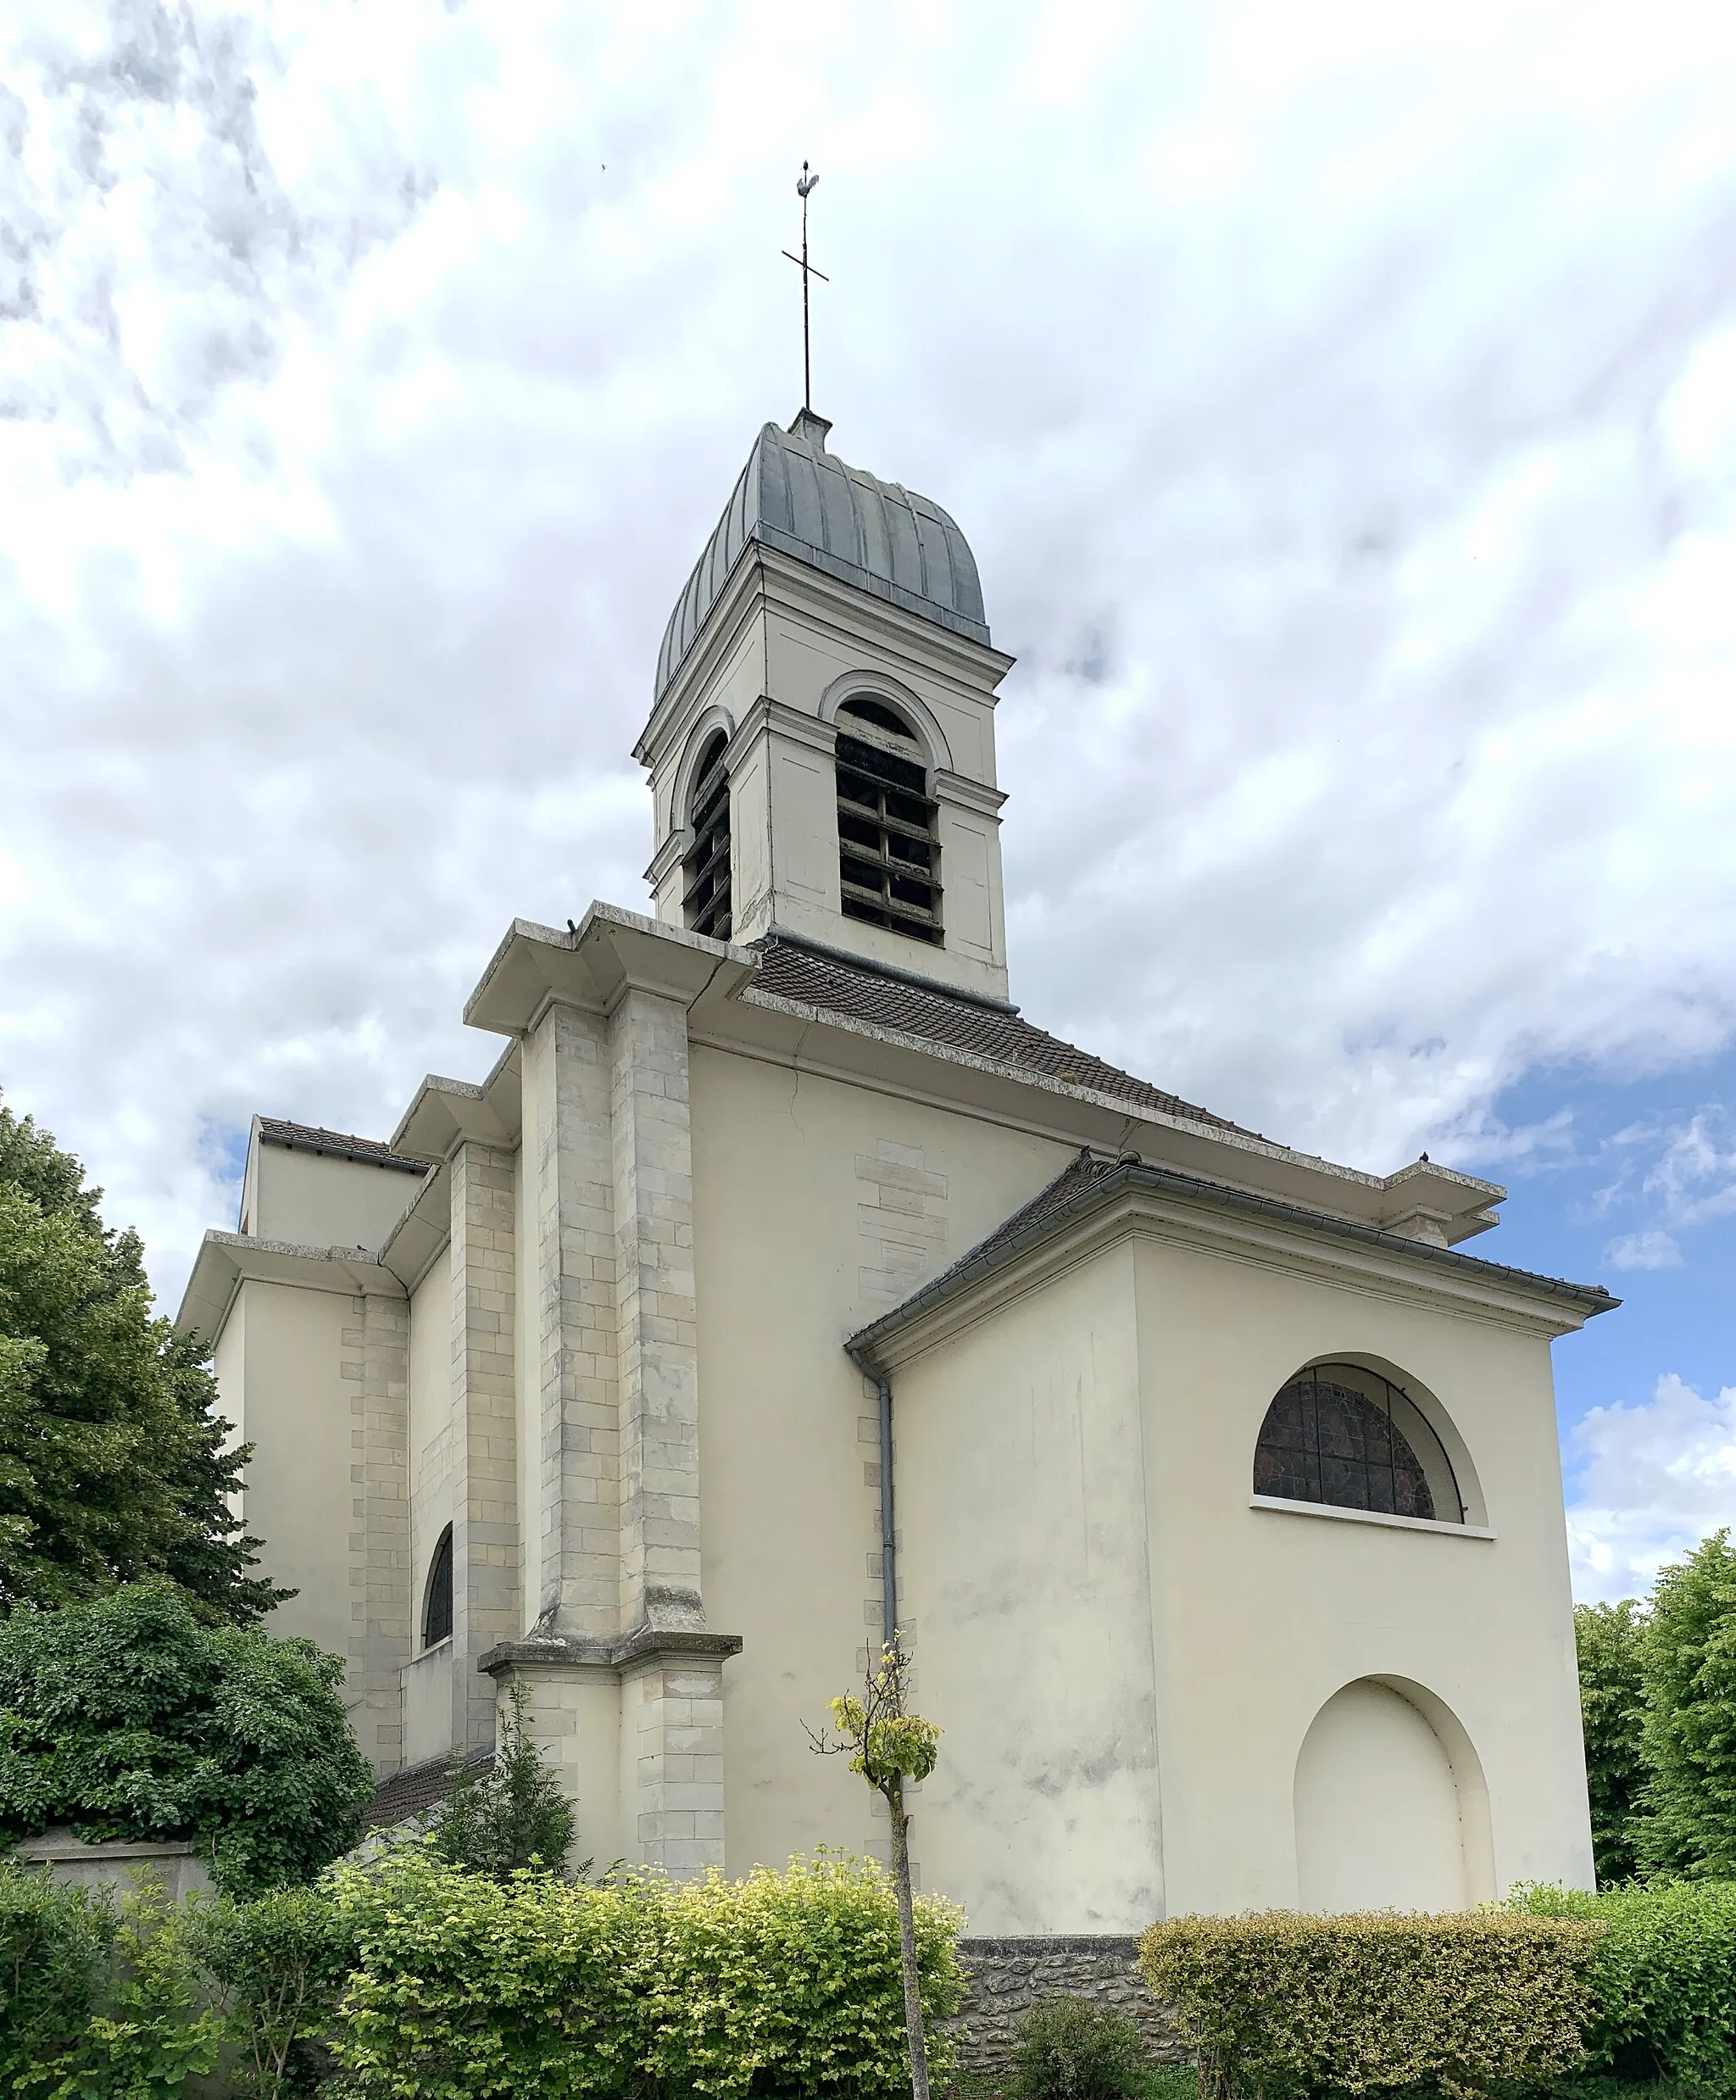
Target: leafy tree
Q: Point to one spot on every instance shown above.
(127, 1717)
(887, 1744)
(113, 1463)
(507, 1816)
(1689, 1735)
(1611, 1644)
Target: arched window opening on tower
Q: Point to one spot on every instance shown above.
(437, 1609)
(705, 898)
(888, 853)
(1350, 1437)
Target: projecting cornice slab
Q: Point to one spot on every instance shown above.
(593, 965)
(226, 1261)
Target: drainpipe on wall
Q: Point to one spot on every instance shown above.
(888, 1559)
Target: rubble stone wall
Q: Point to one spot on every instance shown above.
(1008, 1977)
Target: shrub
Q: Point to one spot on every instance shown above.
(1288, 2005)
(277, 1967)
(1663, 1978)
(1070, 2049)
(127, 1717)
(1610, 1643)
(95, 2000)
(509, 1815)
(783, 1983)
(53, 1939)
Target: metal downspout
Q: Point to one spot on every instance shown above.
(888, 1553)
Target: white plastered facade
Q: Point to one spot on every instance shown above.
(591, 1314)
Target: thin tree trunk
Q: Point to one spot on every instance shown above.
(907, 1938)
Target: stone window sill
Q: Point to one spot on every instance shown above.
(1286, 1507)
(434, 1648)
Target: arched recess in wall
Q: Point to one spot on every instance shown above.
(888, 821)
(1391, 1806)
(1354, 1432)
(436, 1596)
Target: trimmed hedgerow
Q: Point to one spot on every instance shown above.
(466, 1988)
(1287, 2005)
(1663, 1979)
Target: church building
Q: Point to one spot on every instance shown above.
(783, 1283)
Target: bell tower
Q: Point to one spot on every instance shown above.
(821, 738)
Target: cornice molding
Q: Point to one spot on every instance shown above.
(645, 1646)
(1151, 1203)
(226, 1261)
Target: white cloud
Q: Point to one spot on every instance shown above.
(1651, 1249)
(1653, 1480)
(1342, 420)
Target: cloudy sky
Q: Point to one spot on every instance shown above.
(1341, 402)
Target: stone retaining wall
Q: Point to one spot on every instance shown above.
(1007, 1977)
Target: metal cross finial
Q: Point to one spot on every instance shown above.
(802, 187)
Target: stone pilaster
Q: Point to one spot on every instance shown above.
(572, 1539)
(656, 1318)
(673, 1746)
(485, 1535)
(672, 1697)
(377, 1347)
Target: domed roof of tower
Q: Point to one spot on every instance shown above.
(796, 496)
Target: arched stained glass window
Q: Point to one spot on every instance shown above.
(1342, 1436)
(436, 1611)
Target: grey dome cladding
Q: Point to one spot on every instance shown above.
(796, 496)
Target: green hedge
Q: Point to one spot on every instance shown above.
(781, 1983)
(427, 1983)
(1663, 1978)
(1287, 2005)
(125, 1717)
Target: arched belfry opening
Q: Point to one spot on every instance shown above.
(889, 847)
(705, 892)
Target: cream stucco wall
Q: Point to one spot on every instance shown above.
(1113, 1413)
(1265, 1614)
(1027, 1595)
(297, 1416)
(817, 1205)
(315, 1200)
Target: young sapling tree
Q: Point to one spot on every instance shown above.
(887, 1745)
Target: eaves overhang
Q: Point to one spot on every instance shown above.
(446, 1113)
(594, 964)
(1458, 1205)
(1134, 1196)
(226, 1261)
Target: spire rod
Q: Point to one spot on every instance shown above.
(804, 185)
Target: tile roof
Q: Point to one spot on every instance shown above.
(336, 1145)
(790, 969)
(1072, 1189)
(413, 1791)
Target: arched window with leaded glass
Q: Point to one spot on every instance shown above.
(1344, 1436)
(705, 871)
(887, 834)
(437, 1600)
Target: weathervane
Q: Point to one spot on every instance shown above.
(802, 187)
